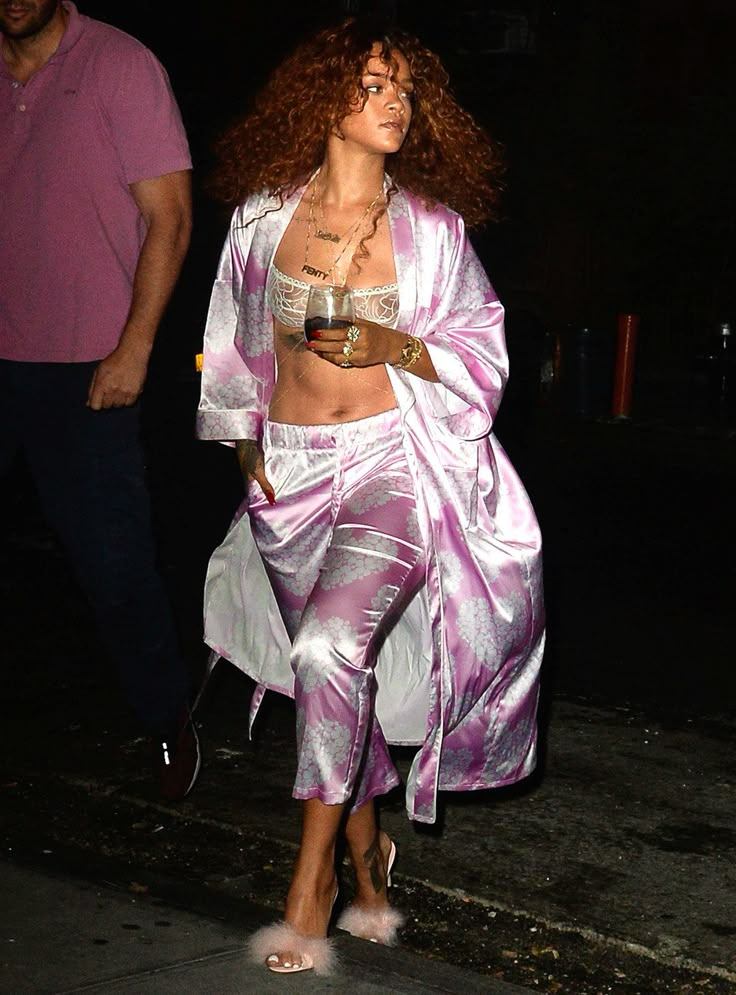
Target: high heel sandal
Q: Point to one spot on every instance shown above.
(376, 925)
(314, 953)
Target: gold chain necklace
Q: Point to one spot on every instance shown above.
(324, 233)
(351, 232)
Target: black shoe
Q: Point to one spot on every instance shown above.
(178, 759)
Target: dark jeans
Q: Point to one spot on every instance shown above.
(89, 471)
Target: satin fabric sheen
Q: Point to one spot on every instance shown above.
(458, 673)
(343, 553)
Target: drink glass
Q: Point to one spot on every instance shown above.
(328, 306)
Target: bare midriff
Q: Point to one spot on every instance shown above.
(310, 390)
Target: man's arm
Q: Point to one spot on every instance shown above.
(165, 203)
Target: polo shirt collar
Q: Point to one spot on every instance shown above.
(74, 28)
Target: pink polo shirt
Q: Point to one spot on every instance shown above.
(98, 116)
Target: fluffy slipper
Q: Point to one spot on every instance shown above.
(268, 945)
(376, 925)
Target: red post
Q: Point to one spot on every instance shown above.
(623, 381)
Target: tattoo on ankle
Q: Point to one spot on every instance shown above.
(370, 857)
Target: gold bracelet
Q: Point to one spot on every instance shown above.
(410, 353)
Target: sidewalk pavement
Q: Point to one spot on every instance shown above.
(613, 873)
(61, 934)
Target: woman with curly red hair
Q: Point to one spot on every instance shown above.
(384, 569)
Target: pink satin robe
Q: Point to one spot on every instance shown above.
(458, 675)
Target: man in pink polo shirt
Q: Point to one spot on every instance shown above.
(95, 223)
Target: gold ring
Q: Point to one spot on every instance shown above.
(353, 333)
(348, 349)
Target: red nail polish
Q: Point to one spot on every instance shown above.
(270, 497)
(315, 335)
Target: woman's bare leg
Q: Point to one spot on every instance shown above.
(368, 849)
(314, 880)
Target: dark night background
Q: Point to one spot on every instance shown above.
(618, 124)
(617, 118)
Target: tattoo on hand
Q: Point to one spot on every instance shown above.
(249, 456)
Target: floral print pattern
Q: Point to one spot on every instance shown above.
(479, 651)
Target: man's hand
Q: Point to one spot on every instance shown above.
(165, 206)
(118, 380)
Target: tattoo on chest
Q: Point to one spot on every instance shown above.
(292, 338)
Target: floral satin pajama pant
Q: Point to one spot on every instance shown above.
(344, 555)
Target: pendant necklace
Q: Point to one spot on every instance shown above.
(324, 233)
(330, 236)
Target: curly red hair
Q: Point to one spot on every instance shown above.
(447, 156)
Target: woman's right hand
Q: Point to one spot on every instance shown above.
(252, 466)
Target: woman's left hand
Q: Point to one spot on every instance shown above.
(365, 343)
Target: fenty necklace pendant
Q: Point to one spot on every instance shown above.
(313, 271)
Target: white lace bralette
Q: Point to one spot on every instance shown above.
(287, 300)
